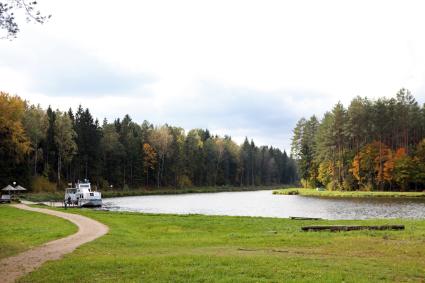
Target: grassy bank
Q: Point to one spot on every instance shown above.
(195, 248)
(58, 196)
(315, 193)
(21, 230)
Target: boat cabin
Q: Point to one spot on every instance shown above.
(83, 195)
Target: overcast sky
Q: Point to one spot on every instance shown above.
(242, 68)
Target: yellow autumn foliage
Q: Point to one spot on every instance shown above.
(13, 138)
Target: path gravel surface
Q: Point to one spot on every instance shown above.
(11, 268)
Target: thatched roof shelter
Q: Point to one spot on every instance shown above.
(14, 190)
(20, 188)
(9, 188)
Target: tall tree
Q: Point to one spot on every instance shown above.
(14, 144)
(304, 148)
(35, 124)
(219, 147)
(150, 160)
(161, 140)
(113, 154)
(126, 154)
(194, 165)
(370, 145)
(64, 140)
(87, 161)
(403, 168)
(49, 145)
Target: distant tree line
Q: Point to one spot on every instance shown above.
(371, 145)
(46, 149)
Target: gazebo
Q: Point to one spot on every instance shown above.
(20, 188)
(12, 190)
(8, 188)
(6, 198)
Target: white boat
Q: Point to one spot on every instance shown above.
(83, 195)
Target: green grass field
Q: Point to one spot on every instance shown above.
(21, 230)
(313, 192)
(195, 248)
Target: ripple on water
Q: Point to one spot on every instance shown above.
(264, 203)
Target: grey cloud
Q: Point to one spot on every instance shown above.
(267, 117)
(62, 70)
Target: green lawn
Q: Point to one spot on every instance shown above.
(195, 248)
(21, 230)
(313, 192)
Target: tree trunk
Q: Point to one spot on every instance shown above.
(162, 167)
(59, 168)
(158, 172)
(216, 173)
(123, 184)
(252, 171)
(131, 173)
(157, 177)
(380, 164)
(35, 157)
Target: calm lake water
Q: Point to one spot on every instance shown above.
(264, 203)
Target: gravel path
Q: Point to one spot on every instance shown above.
(13, 267)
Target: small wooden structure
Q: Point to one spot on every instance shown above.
(303, 218)
(8, 188)
(20, 188)
(5, 199)
(335, 228)
(13, 190)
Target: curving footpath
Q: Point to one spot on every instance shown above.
(13, 267)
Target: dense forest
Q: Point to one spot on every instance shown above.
(371, 145)
(46, 149)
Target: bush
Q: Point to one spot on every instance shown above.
(184, 182)
(368, 187)
(349, 184)
(308, 184)
(332, 186)
(42, 184)
(103, 184)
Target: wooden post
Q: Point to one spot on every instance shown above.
(336, 228)
(303, 218)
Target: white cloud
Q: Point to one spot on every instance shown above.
(280, 59)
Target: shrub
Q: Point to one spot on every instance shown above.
(103, 184)
(184, 182)
(42, 184)
(308, 184)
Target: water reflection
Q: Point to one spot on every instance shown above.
(264, 203)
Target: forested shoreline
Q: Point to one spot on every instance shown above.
(371, 145)
(46, 149)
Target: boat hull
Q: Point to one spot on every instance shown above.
(90, 203)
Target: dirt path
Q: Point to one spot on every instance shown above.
(13, 267)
